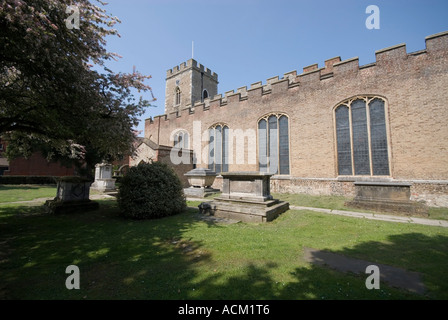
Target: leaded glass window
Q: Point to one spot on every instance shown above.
(273, 144)
(283, 144)
(218, 159)
(343, 141)
(225, 148)
(361, 137)
(262, 145)
(380, 162)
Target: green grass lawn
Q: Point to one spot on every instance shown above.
(17, 193)
(11, 193)
(185, 257)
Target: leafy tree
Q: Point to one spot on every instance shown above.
(56, 94)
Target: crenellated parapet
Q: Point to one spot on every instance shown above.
(311, 77)
(191, 64)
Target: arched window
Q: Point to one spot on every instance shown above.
(218, 159)
(204, 94)
(177, 94)
(273, 144)
(181, 139)
(361, 137)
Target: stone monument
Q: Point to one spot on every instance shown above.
(200, 181)
(72, 195)
(246, 197)
(103, 178)
(386, 196)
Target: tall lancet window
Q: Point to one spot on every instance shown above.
(218, 159)
(273, 144)
(177, 98)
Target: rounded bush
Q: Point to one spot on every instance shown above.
(151, 190)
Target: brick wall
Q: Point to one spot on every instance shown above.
(412, 84)
(37, 165)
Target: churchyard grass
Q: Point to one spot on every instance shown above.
(17, 193)
(186, 257)
(11, 193)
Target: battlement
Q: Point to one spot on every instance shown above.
(188, 65)
(313, 76)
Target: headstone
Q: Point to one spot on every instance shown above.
(246, 197)
(103, 178)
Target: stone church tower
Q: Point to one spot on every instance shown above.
(188, 83)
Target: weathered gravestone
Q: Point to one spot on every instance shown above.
(72, 196)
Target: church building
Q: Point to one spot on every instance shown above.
(320, 131)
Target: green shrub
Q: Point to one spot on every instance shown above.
(150, 190)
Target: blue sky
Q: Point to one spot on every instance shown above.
(245, 41)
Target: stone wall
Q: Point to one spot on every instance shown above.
(143, 153)
(313, 186)
(432, 193)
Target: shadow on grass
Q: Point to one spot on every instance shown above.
(155, 259)
(411, 252)
(117, 258)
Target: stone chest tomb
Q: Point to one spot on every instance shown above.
(387, 196)
(200, 181)
(246, 197)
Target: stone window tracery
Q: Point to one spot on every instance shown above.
(361, 137)
(218, 159)
(273, 143)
